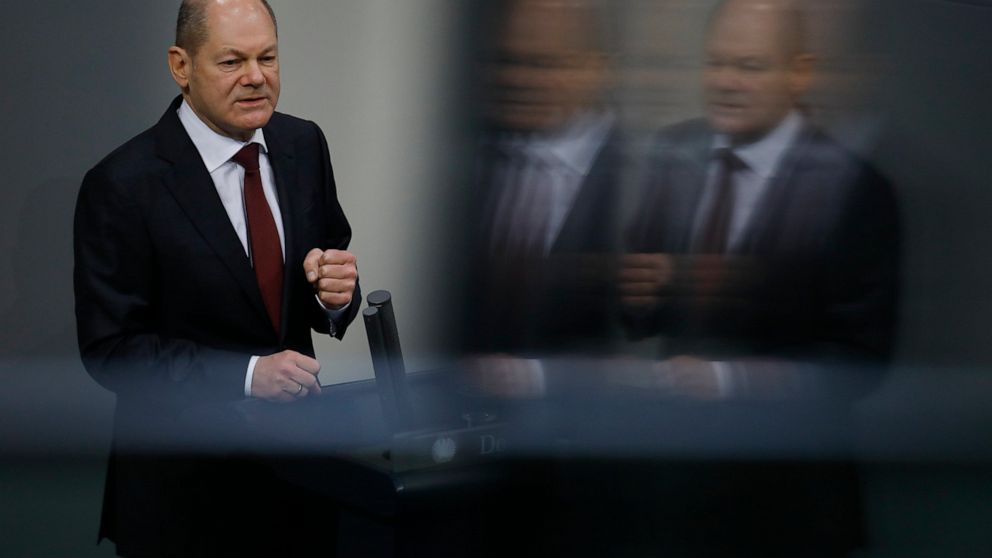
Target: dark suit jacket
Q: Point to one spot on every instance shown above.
(169, 312)
(816, 273)
(814, 282)
(558, 303)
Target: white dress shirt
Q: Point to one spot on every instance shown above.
(228, 177)
(762, 160)
(536, 188)
(216, 151)
(534, 192)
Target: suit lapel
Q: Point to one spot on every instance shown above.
(588, 225)
(283, 162)
(193, 189)
(689, 182)
(766, 224)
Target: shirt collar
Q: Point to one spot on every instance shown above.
(215, 149)
(575, 145)
(763, 156)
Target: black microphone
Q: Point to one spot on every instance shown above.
(387, 360)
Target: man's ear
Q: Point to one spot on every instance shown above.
(801, 78)
(180, 65)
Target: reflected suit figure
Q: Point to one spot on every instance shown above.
(758, 239)
(200, 273)
(545, 185)
(764, 257)
(811, 276)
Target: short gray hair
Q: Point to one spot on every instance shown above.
(792, 23)
(191, 25)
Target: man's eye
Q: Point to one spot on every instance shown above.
(752, 66)
(229, 63)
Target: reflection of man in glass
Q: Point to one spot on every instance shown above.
(548, 67)
(545, 182)
(760, 245)
(764, 257)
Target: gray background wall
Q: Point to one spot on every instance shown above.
(82, 77)
(373, 74)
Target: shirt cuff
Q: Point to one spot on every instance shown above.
(725, 383)
(538, 378)
(332, 315)
(250, 374)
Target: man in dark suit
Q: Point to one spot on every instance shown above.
(758, 238)
(764, 257)
(206, 250)
(546, 184)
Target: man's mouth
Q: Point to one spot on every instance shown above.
(252, 101)
(728, 105)
(726, 108)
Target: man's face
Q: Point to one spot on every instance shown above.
(545, 71)
(233, 79)
(750, 81)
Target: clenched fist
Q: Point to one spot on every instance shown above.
(645, 280)
(333, 273)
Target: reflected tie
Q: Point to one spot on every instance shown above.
(523, 215)
(714, 237)
(263, 237)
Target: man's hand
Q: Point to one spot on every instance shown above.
(285, 377)
(683, 376)
(692, 377)
(644, 279)
(506, 376)
(333, 273)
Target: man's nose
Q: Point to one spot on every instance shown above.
(725, 78)
(253, 75)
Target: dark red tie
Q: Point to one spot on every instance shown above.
(714, 238)
(263, 237)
